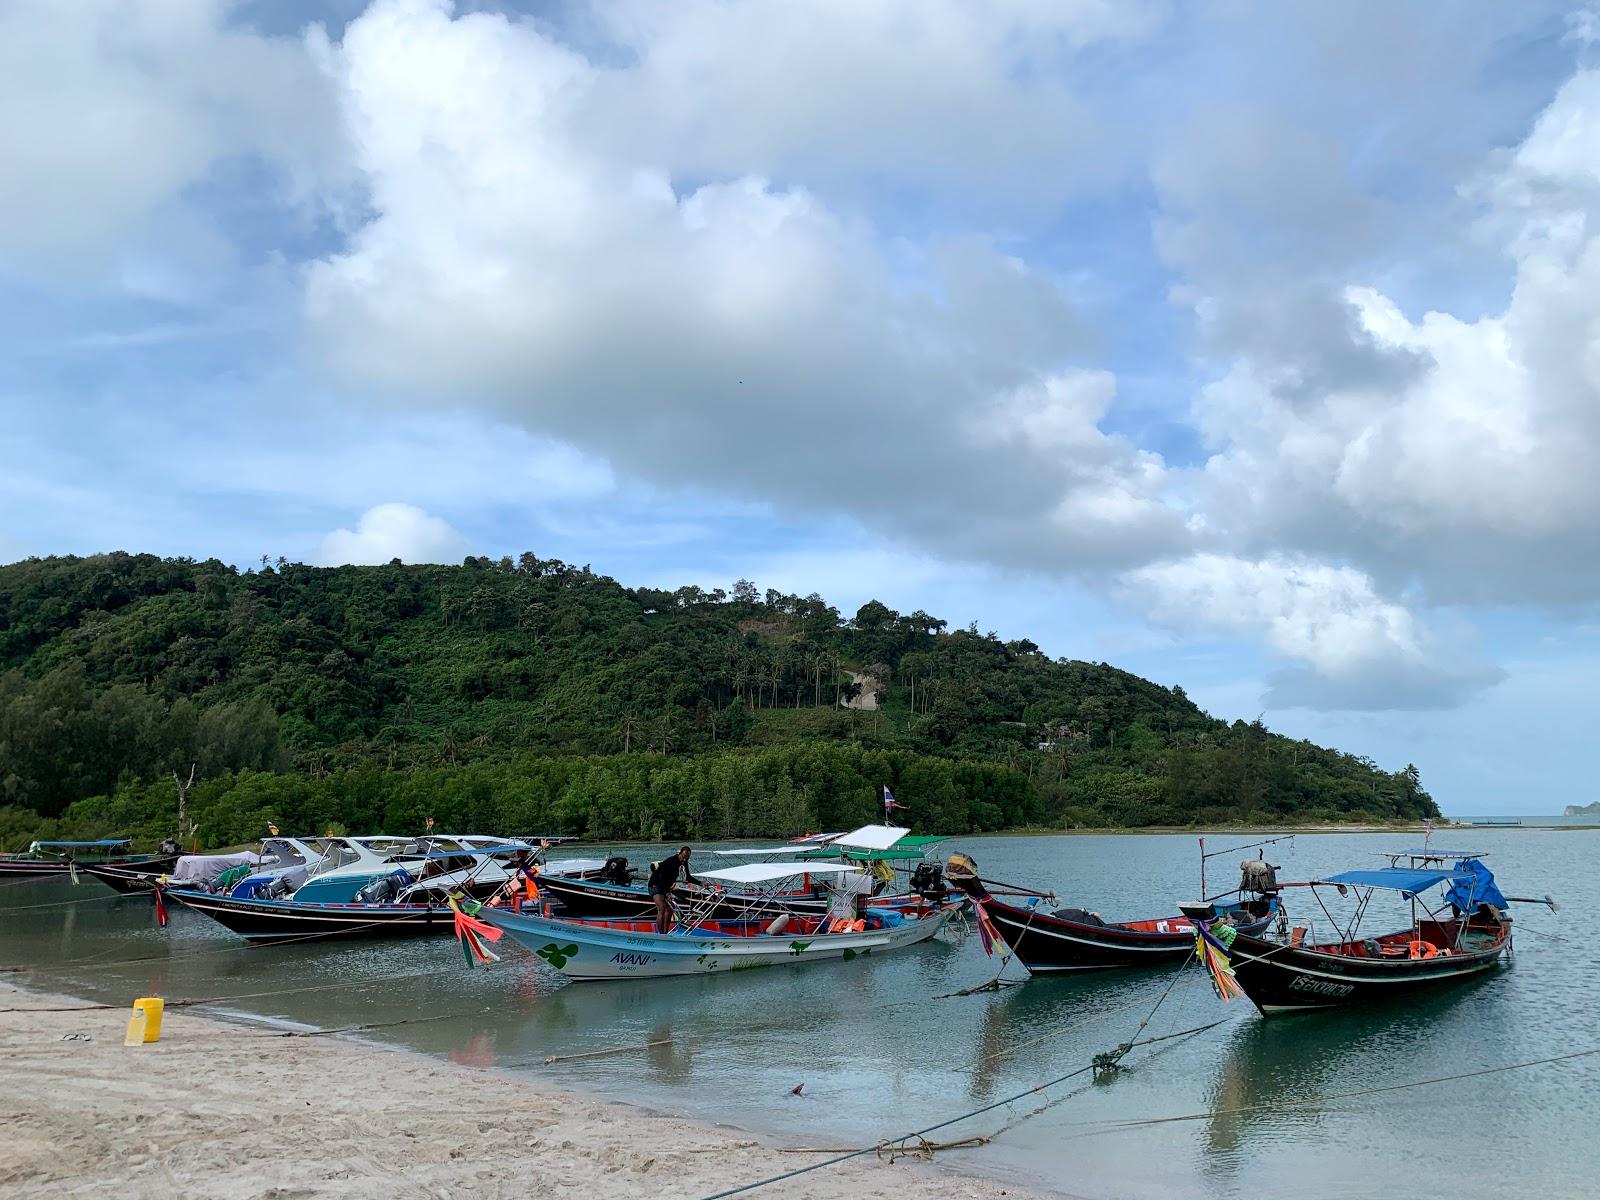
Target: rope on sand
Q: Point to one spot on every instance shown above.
(555, 1058)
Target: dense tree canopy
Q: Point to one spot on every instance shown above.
(390, 682)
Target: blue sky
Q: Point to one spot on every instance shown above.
(1248, 347)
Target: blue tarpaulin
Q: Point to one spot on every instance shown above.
(1477, 886)
(101, 842)
(1399, 879)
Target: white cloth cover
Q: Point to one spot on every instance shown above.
(203, 868)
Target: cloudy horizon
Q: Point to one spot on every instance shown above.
(1250, 348)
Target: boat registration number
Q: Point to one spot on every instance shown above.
(1320, 987)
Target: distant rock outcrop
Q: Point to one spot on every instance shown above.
(1583, 810)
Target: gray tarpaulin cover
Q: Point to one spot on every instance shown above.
(203, 868)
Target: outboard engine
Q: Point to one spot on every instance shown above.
(927, 881)
(616, 871)
(384, 890)
(1257, 875)
(275, 889)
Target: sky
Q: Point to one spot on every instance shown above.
(1249, 347)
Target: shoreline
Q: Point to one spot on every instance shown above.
(236, 1110)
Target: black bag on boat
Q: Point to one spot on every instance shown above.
(1257, 875)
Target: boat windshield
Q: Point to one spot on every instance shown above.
(276, 852)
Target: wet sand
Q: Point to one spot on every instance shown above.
(231, 1110)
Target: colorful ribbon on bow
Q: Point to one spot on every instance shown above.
(472, 932)
(1213, 951)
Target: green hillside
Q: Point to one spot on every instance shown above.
(538, 695)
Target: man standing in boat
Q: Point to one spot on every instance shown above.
(663, 878)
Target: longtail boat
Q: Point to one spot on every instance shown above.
(63, 858)
(613, 892)
(619, 948)
(1462, 938)
(1074, 939)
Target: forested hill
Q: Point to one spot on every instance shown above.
(538, 695)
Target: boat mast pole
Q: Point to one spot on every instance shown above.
(1203, 892)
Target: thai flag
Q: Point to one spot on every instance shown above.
(889, 802)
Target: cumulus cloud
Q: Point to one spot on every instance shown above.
(389, 531)
(1472, 472)
(113, 109)
(735, 333)
(1348, 646)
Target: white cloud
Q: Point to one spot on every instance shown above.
(736, 333)
(389, 531)
(1350, 647)
(113, 109)
(1472, 471)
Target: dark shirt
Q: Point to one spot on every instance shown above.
(664, 875)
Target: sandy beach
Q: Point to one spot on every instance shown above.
(234, 1111)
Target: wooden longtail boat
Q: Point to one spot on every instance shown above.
(60, 858)
(1071, 939)
(1461, 939)
(131, 880)
(618, 948)
(288, 920)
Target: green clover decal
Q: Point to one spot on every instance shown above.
(556, 955)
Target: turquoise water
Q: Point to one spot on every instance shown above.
(880, 1054)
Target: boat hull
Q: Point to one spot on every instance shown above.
(1046, 944)
(1286, 979)
(131, 879)
(597, 898)
(287, 920)
(43, 867)
(588, 950)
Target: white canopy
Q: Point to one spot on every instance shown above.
(811, 838)
(572, 866)
(767, 872)
(871, 837)
(754, 851)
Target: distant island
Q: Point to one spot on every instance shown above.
(530, 695)
(1583, 810)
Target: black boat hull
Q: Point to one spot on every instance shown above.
(1285, 979)
(288, 921)
(43, 868)
(1047, 944)
(131, 880)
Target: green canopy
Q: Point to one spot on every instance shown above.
(913, 841)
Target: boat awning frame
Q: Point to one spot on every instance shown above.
(871, 837)
(1406, 881)
(771, 872)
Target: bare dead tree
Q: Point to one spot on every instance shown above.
(185, 829)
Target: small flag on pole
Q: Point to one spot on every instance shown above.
(428, 824)
(272, 829)
(890, 804)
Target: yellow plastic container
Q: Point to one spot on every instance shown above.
(145, 1024)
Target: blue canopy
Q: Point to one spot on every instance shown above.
(1400, 879)
(1474, 885)
(101, 842)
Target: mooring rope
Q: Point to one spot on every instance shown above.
(1315, 1101)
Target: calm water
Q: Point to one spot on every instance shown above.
(879, 1054)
